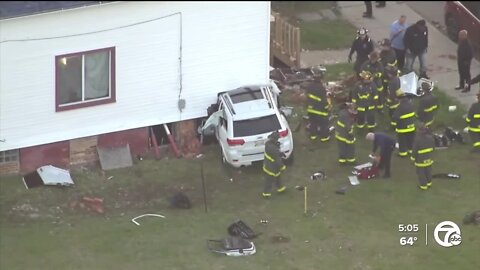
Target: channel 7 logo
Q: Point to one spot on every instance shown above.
(452, 236)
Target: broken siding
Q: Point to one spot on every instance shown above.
(225, 45)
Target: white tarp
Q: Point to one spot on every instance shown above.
(54, 176)
(409, 83)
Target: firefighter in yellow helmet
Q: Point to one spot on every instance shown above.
(273, 165)
(473, 122)
(364, 97)
(345, 136)
(318, 110)
(403, 120)
(375, 67)
(423, 148)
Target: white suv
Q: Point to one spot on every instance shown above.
(243, 119)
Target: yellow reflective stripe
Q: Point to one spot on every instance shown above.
(392, 64)
(393, 123)
(314, 97)
(380, 88)
(468, 120)
(429, 123)
(398, 92)
(434, 107)
(474, 129)
(270, 173)
(282, 189)
(423, 187)
(361, 109)
(340, 124)
(403, 154)
(405, 130)
(426, 163)
(345, 140)
(269, 157)
(364, 96)
(424, 151)
(283, 168)
(325, 139)
(310, 110)
(354, 100)
(375, 97)
(477, 144)
(394, 106)
(371, 126)
(341, 160)
(371, 107)
(476, 115)
(408, 115)
(378, 74)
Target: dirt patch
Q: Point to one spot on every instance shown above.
(279, 239)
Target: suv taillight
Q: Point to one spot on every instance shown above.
(234, 142)
(284, 133)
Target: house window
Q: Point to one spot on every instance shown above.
(8, 156)
(85, 79)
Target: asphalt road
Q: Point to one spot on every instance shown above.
(432, 11)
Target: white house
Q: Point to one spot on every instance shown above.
(74, 78)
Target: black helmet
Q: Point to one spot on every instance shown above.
(274, 136)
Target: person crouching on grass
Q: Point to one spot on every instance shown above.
(386, 145)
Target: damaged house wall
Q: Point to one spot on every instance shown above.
(166, 54)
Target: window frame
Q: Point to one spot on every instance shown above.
(87, 103)
(13, 153)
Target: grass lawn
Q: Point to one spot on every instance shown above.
(290, 8)
(358, 230)
(327, 34)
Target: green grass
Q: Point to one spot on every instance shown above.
(358, 230)
(326, 34)
(290, 8)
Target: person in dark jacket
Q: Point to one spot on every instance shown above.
(423, 147)
(345, 136)
(464, 59)
(386, 145)
(364, 97)
(273, 165)
(368, 9)
(404, 121)
(473, 122)
(318, 110)
(362, 46)
(375, 67)
(416, 44)
(427, 106)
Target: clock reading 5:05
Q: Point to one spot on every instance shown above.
(408, 227)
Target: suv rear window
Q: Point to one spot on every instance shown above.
(246, 95)
(254, 126)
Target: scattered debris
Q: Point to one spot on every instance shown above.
(232, 246)
(446, 175)
(180, 200)
(263, 221)
(286, 110)
(89, 203)
(110, 177)
(472, 218)
(145, 215)
(49, 176)
(354, 180)
(342, 190)
(454, 135)
(240, 229)
(279, 239)
(319, 175)
(115, 157)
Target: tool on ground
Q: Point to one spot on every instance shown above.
(341, 190)
(145, 215)
(232, 246)
(446, 175)
(241, 229)
(304, 189)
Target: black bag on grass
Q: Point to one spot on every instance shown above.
(240, 229)
(180, 200)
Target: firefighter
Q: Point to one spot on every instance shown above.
(318, 110)
(392, 90)
(375, 67)
(404, 121)
(473, 122)
(388, 57)
(428, 105)
(423, 147)
(273, 165)
(386, 145)
(364, 96)
(345, 137)
(362, 46)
